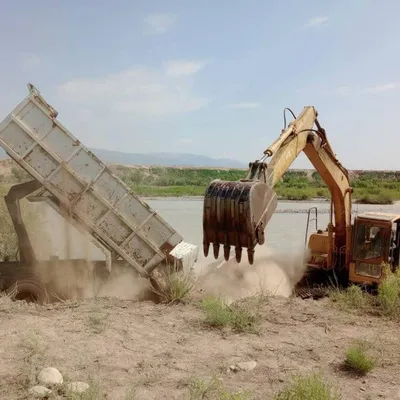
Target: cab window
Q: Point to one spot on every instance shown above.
(369, 242)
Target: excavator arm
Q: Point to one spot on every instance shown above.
(236, 213)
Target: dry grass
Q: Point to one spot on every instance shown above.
(97, 320)
(385, 303)
(311, 387)
(33, 346)
(175, 285)
(213, 389)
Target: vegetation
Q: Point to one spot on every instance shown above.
(175, 285)
(311, 387)
(357, 360)
(213, 388)
(369, 187)
(218, 314)
(385, 303)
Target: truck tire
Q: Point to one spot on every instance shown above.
(29, 290)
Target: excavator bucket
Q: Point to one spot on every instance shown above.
(236, 214)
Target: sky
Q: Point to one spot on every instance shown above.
(210, 77)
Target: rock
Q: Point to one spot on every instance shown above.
(50, 376)
(40, 392)
(243, 366)
(77, 387)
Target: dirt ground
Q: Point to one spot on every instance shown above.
(159, 349)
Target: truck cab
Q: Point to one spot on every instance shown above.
(375, 241)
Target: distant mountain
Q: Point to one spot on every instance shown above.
(162, 159)
(165, 159)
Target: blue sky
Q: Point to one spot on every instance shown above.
(210, 77)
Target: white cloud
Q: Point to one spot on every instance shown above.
(158, 23)
(29, 61)
(348, 90)
(382, 88)
(244, 105)
(183, 68)
(138, 91)
(316, 22)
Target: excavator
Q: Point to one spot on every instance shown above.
(236, 213)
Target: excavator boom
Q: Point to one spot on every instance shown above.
(236, 213)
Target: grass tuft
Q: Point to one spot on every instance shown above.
(311, 387)
(97, 320)
(217, 313)
(175, 285)
(353, 297)
(200, 389)
(357, 360)
(34, 348)
(203, 388)
(386, 302)
(240, 317)
(388, 298)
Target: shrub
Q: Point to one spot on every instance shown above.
(357, 359)
(176, 285)
(312, 387)
(218, 314)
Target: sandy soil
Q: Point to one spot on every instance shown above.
(159, 348)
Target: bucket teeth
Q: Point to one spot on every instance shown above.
(260, 236)
(216, 250)
(250, 256)
(206, 248)
(238, 254)
(227, 251)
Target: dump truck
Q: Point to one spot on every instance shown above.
(70, 179)
(236, 213)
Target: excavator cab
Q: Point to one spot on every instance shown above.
(376, 238)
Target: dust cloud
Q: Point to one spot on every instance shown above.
(271, 274)
(74, 267)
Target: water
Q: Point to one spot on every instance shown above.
(285, 232)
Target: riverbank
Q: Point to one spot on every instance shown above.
(370, 187)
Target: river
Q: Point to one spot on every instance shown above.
(284, 233)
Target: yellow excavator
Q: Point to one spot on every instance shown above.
(236, 213)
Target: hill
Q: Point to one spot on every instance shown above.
(159, 159)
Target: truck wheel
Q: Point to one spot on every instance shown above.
(29, 290)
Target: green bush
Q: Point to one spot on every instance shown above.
(357, 360)
(311, 387)
(240, 317)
